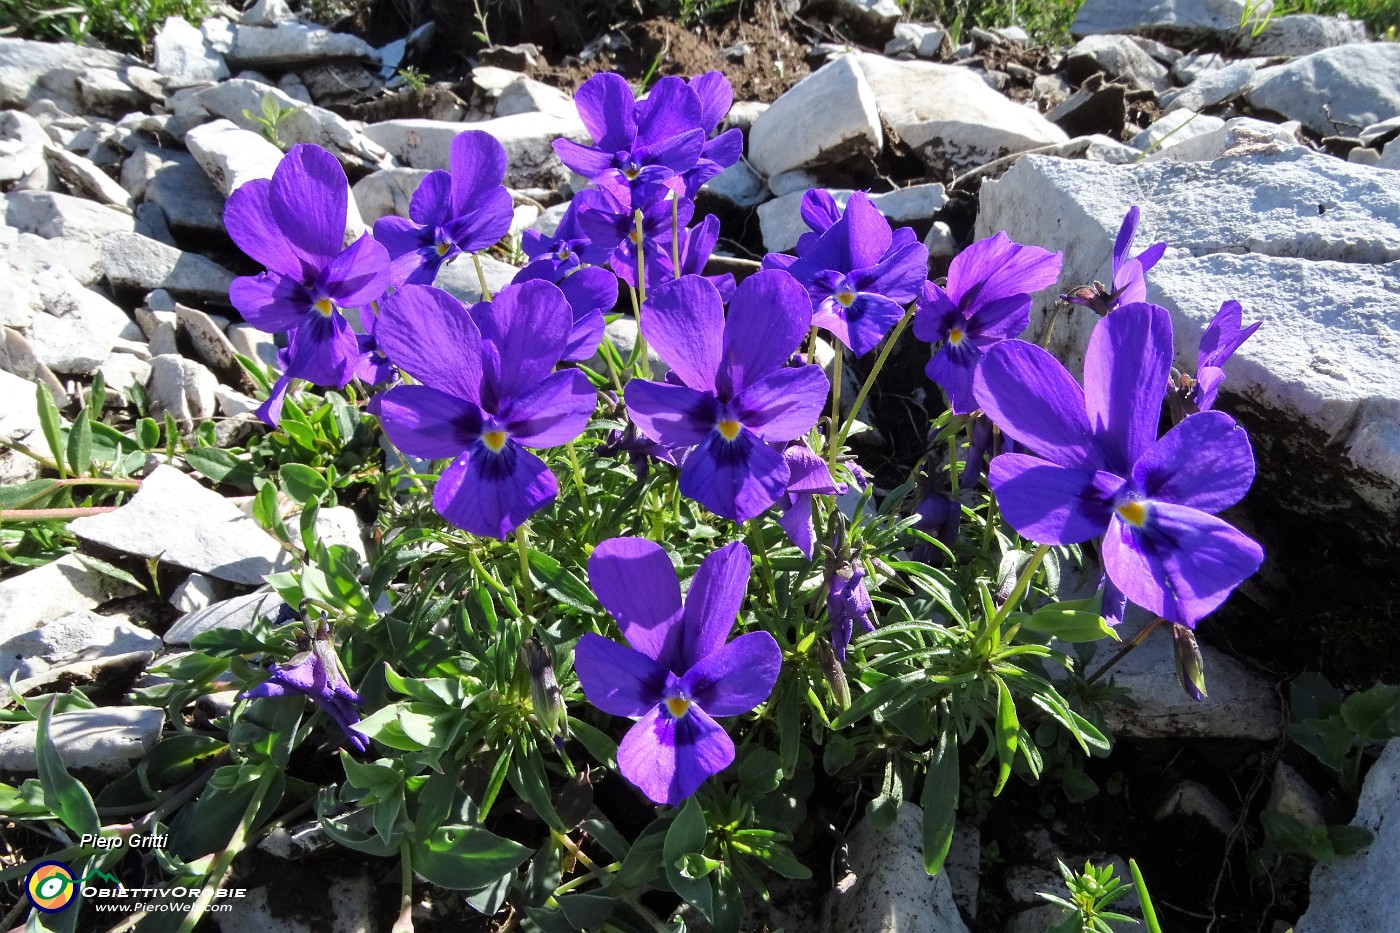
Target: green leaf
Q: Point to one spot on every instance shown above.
(1348, 840)
(464, 858)
(1008, 733)
(529, 779)
(51, 424)
(1077, 621)
(643, 860)
(939, 800)
(1373, 714)
(561, 583)
(687, 837)
(221, 466)
(80, 444)
(1311, 696)
(147, 433)
(69, 799)
(301, 483)
(1149, 915)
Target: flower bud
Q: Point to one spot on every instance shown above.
(1190, 667)
(848, 604)
(545, 696)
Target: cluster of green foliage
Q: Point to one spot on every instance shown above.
(123, 25)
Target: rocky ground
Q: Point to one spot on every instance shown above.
(1270, 163)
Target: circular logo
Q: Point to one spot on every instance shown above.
(50, 886)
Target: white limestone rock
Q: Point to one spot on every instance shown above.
(527, 137)
(176, 519)
(892, 891)
(107, 740)
(1357, 892)
(86, 179)
(829, 116)
(292, 44)
(182, 52)
(59, 588)
(230, 155)
(79, 327)
(1181, 22)
(1337, 91)
(1174, 128)
(237, 613)
(1298, 34)
(1212, 88)
(181, 388)
(49, 214)
(1237, 137)
(81, 635)
(387, 192)
(948, 117)
(1121, 59)
(22, 142)
(922, 40)
(138, 263)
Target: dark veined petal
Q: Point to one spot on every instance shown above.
(1123, 242)
(716, 97)
(768, 319)
(553, 411)
(997, 267)
(619, 680)
(712, 605)
(431, 204)
(1125, 378)
(935, 314)
(684, 322)
(636, 583)
(490, 494)
(808, 472)
(901, 273)
(309, 199)
(735, 479)
(1205, 462)
(736, 677)
(429, 334)
(784, 405)
(585, 336)
(671, 415)
(323, 350)
(252, 227)
(953, 367)
(860, 238)
(606, 107)
(1053, 504)
(478, 164)
(524, 331)
(585, 160)
(359, 274)
(1032, 397)
(270, 301)
(819, 210)
(484, 225)
(670, 109)
(667, 759)
(861, 326)
(1181, 563)
(1000, 320)
(401, 236)
(424, 422)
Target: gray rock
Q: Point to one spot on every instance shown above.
(892, 890)
(737, 188)
(1291, 795)
(872, 20)
(1175, 127)
(235, 100)
(58, 72)
(138, 169)
(338, 525)
(785, 136)
(1357, 892)
(948, 117)
(1262, 224)
(237, 613)
(387, 192)
(919, 39)
(79, 327)
(1192, 65)
(49, 214)
(1240, 136)
(1121, 59)
(782, 224)
(1390, 156)
(1040, 919)
(86, 179)
(1163, 53)
(1302, 34)
(259, 346)
(191, 204)
(743, 114)
(525, 95)
(182, 389)
(134, 262)
(181, 522)
(182, 52)
(81, 635)
(231, 156)
(963, 867)
(195, 592)
(41, 595)
(22, 142)
(19, 422)
(1380, 133)
(268, 13)
(1194, 799)
(17, 357)
(291, 44)
(527, 138)
(1024, 883)
(1212, 88)
(120, 372)
(1337, 91)
(458, 277)
(107, 740)
(212, 346)
(940, 242)
(1175, 21)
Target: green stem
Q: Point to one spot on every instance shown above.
(578, 474)
(874, 371)
(526, 588)
(481, 278)
(215, 879)
(404, 924)
(675, 237)
(833, 442)
(43, 515)
(640, 298)
(1022, 583)
(761, 546)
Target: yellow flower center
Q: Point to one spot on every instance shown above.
(324, 306)
(678, 706)
(631, 172)
(846, 297)
(728, 429)
(1134, 513)
(495, 440)
(955, 336)
(443, 246)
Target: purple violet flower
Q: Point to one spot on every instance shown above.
(488, 392)
(1129, 272)
(987, 299)
(317, 675)
(694, 244)
(716, 97)
(461, 211)
(639, 146)
(562, 252)
(294, 224)
(1101, 470)
(591, 292)
(1224, 335)
(611, 229)
(736, 395)
(858, 273)
(808, 476)
(848, 605)
(679, 672)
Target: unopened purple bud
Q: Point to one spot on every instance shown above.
(848, 604)
(1190, 667)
